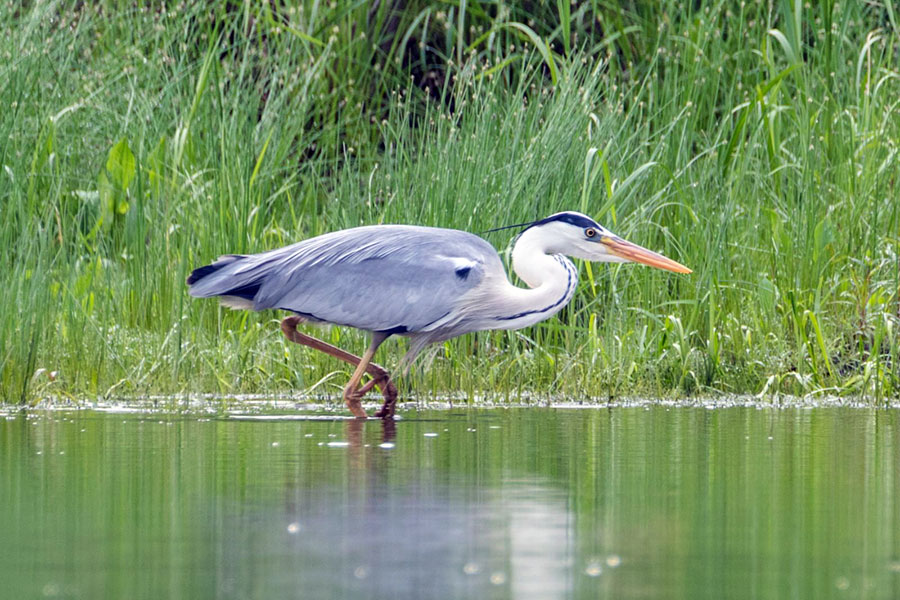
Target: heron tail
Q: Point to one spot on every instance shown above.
(226, 278)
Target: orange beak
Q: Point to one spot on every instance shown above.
(634, 253)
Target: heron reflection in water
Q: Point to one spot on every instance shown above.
(428, 284)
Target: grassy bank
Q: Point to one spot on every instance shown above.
(757, 145)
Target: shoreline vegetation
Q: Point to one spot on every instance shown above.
(757, 143)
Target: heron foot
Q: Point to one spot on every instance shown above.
(353, 399)
(382, 379)
(389, 391)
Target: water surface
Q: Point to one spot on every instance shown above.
(624, 502)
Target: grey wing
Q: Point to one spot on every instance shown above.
(390, 278)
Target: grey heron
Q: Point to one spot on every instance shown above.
(425, 283)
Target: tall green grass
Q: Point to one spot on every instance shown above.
(757, 144)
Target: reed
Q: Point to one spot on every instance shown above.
(756, 144)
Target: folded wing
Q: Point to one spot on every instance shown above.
(391, 278)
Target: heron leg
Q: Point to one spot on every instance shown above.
(380, 375)
(389, 391)
(390, 402)
(353, 393)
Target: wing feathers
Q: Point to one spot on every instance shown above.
(380, 278)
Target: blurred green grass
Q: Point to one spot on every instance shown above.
(755, 143)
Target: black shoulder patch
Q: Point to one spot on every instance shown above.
(463, 272)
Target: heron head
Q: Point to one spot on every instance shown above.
(578, 235)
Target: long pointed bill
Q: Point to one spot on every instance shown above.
(635, 253)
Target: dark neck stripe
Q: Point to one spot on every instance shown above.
(571, 282)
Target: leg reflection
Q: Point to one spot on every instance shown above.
(363, 459)
(355, 428)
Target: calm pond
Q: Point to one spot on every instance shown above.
(625, 502)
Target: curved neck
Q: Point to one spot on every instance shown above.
(551, 280)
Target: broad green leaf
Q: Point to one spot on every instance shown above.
(121, 164)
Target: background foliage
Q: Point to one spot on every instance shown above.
(756, 143)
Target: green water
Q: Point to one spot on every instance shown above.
(640, 502)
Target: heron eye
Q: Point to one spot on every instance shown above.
(590, 232)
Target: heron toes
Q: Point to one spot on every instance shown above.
(386, 411)
(353, 398)
(389, 391)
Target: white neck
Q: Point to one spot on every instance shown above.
(551, 280)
